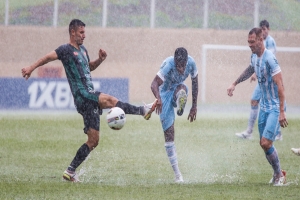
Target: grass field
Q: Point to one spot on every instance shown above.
(132, 164)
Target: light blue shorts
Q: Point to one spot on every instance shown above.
(256, 95)
(268, 124)
(167, 116)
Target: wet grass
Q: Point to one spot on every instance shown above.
(132, 163)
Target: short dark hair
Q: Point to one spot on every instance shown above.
(181, 54)
(264, 23)
(74, 24)
(257, 31)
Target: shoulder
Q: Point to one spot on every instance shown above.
(270, 58)
(191, 62)
(270, 39)
(191, 59)
(82, 47)
(63, 48)
(268, 54)
(169, 60)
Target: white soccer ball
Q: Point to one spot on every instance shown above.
(116, 118)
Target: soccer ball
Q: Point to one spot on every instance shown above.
(116, 118)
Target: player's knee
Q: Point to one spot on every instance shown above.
(93, 138)
(265, 144)
(107, 101)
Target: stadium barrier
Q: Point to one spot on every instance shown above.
(52, 93)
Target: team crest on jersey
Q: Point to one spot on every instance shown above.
(75, 53)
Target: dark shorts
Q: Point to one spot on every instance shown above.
(90, 112)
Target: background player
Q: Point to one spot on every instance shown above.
(272, 102)
(170, 91)
(89, 103)
(270, 44)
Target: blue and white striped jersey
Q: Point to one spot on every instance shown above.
(265, 68)
(270, 44)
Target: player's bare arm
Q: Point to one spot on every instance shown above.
(244, 76)
(94, 64)
(278, 81)
(26, 71)
(253, 77)
(155, 90)
(193, 111)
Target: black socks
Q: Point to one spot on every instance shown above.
(130, 109)
(81, 155)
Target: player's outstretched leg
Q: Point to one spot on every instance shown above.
(296, 151)
(181, 97)
(145, 110)
(149, 108)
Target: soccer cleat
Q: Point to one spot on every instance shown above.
(181, 101)
(296, 151)
(179, 179)
(244, 135)
(71, 176)
(278, 137)
(281, 180)
(149, 108)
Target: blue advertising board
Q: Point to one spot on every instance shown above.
(52, 93)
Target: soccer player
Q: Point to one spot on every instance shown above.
(170, 91)
(272, 114)
(270, 44)
(89, 103)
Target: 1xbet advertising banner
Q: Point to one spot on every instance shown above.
(52, 93)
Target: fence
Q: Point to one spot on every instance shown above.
(217, 14)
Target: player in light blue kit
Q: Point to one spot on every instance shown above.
(272, 102)
(170, 91)
(270, 44)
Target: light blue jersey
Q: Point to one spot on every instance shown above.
(265, 68)
(270, 44)
(171, 79)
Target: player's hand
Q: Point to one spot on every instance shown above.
(253, 77)
(230, 90)
(26, 72)
(282, 120)
(192, 115)
(158, 108)
(102, 54)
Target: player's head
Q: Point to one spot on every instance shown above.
(77, 31)
(264, 25)
(180, 59)
(255, 41)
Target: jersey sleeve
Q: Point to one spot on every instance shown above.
(273, 65)
(61, 52)
(164, 69)
(194, 69)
